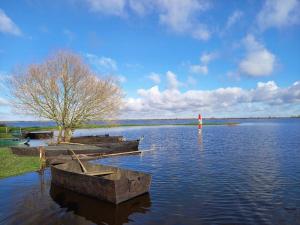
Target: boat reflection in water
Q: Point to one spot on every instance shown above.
(97, 211)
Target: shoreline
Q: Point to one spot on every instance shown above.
(95, 126)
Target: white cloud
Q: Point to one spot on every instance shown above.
(222, 101)
(199, 69)
(155, 77)
(177, 15)
(121, 78)
(279, 13)
(4, 79)
(102, 64)
(233, 18)
(201, 32)
(139, 7)
(7, 25)
(173, 83)
(258, 60)
(205, 59)
(181, 17)
(108, 7)
(3, 102)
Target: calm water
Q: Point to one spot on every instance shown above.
(246, 174)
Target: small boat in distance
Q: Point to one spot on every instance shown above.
(106, 183)
(5, 142)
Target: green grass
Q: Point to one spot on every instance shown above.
(4, 135)
(12, 165)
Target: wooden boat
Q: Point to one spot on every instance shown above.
(97, 139)
(107, 183)
(64, 149)
(12, 141)
(60, 159)
(39, 135)
(128, 145)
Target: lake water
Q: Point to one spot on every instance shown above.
(245, 174)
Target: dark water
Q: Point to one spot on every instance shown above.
(246, 174)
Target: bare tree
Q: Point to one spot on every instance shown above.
(65, 90)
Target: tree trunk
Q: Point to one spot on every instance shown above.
(59, 137)
(67, 134)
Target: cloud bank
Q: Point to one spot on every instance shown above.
(228, 101)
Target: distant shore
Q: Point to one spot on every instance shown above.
(94, 126)
(166, 119)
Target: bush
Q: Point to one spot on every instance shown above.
(3, 129)
(4, 135)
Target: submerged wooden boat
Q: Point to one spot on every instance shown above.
(107, 183)
(64, 149)
(39, 135)
(97, 139)
(128, 145)
(12, 141)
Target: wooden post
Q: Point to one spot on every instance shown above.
(42, 154)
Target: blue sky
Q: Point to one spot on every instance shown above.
(174, 58)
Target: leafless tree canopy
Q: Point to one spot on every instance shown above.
(65, 90)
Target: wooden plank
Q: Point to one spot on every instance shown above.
(99, 173)
(82, 166)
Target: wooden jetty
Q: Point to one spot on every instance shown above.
(107, 183)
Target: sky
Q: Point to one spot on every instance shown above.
(173, 58)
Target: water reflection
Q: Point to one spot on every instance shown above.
(99, 212)
(243, 175)
(200, 140)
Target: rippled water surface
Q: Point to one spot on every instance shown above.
(245, 174)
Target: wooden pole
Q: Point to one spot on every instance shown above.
(42, 153)
(80, 163)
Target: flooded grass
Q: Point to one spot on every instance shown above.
(12, 165)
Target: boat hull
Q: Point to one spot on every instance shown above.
(64, 149)
(96, 139)
(118, 187)
(39, 135)
(128, 145)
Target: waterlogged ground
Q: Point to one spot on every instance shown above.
(246, 174)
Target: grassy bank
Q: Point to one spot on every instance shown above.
(11, 165)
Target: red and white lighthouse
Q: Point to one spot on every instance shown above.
(199, 122)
